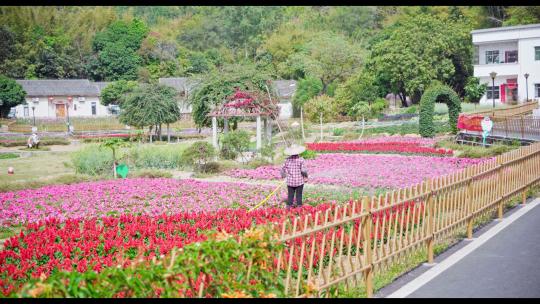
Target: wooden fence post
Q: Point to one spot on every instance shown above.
(522, 129)
(431, 214)
(368, 273)
(499, 188)
(468, 204)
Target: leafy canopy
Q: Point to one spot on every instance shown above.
(328, 57)
(11, 95)
(418, 49)
(150, 105)
(214, 87)
(116, 92)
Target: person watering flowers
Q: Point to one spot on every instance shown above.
(295, 171)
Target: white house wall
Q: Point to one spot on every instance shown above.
(530, 66)
(46, 109)
(522, 39)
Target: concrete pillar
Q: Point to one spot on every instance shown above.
(259, 131)
(225, 125)
(214, 132)
(268, 125)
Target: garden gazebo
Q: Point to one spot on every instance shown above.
(246, 104)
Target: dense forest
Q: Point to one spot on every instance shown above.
(347, 53)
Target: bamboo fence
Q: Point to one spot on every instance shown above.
(516, 110)
(346, 245)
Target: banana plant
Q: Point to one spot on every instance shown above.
(114, 144)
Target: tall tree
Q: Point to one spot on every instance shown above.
(150, 105)
(11, 95)
(416, 50)
(116, 49)
(328, 57)
(116, 92)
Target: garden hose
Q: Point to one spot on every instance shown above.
(266, 199)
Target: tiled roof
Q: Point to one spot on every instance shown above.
(63, 87)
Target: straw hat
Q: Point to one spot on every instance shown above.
(294, 150)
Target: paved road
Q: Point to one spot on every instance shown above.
(507, 265)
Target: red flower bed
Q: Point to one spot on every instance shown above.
(96, 243)
(386, 147)
(124, 135)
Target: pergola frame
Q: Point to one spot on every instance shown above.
(251, 110)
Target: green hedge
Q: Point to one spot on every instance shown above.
(438, 93)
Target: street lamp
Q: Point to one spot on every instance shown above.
(526, 86)
(493, 74)
(33, 115)
(67, 107)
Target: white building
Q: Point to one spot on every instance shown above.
(511, 52)
(61, 99)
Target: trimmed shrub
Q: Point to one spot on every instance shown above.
(234, 143)
(198, 154)
(438, 93)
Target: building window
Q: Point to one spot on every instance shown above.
(537, 53)
(511, 56)
(94, 109)
(74, 107)
(492, 57)
(537, 90)
(476, 56)
(26, 111)
(494, 90)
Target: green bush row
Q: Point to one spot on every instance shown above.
(476, 151)
(44, 142)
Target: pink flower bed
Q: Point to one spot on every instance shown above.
(367, 171)
(135, 196)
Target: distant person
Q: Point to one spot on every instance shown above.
(33, 141)
(296, 173)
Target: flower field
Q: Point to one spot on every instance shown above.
(95, 243)
(46, 247)
(122, 196)
(367, 171)
(408, 148)
(387, 144)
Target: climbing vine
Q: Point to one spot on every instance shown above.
(438, 93)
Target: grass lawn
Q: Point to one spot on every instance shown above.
(36, 167)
